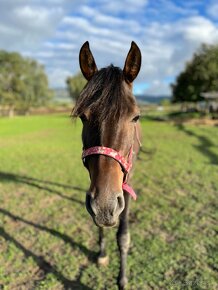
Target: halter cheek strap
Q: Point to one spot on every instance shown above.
(125, 165)
(130, 190)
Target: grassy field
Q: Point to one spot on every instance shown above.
(48, 240)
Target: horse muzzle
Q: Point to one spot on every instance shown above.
(105, 212)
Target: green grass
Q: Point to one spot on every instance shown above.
(48, 240)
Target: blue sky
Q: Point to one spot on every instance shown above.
(167, 32)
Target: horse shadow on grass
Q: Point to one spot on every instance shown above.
(204, 146)
(40, 184)
(44, 265)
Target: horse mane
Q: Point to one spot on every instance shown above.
(106, 96)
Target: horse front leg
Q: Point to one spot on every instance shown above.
(123, 240)
(103, 258)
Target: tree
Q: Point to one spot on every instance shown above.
(200, 75)
(75, 84)
(23, 83)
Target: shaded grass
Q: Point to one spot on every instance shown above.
(48, 240)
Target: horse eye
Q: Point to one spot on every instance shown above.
(135, 119)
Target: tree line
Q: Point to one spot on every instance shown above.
(199, 75)
(23, 83)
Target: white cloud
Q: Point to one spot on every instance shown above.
(165, 49)
(37, 22)
(58, 76)
(158, 87)
(27, 25)
(53, 31)
(127, 6)
(198, 29)
(59, 46)
(212, 10)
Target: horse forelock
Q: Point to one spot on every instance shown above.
(107, 97)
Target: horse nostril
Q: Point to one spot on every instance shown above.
(90, 204)
(120, 205)
(120, 201)
(93, 206)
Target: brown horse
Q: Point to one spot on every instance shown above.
(110, 138)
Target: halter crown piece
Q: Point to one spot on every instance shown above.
(125, 165)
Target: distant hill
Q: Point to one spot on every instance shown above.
(145, 99)
(62, 95)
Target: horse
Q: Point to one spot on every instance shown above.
(111, 141)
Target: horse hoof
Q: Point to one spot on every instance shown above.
(103, 261)
(122, 283)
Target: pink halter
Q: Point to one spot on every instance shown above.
(126, 165)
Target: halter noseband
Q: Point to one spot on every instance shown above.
(125, 165)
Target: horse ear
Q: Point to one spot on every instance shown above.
(133, 63)
(87, 61)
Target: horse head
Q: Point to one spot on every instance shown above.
(109, 114)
